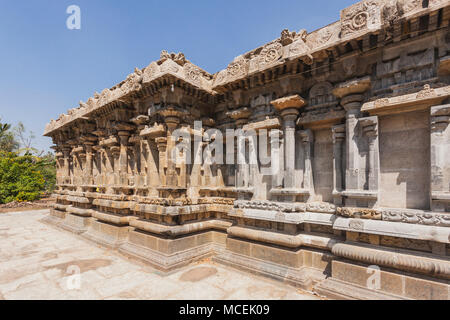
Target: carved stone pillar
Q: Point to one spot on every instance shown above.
(241, 117)
(288, 108)
(66, 165)
(338, 141)
(370, 129)
(115, 153)
(149, 136)
(123, 157)
(440, 158)
(161, 143)
(277, 157)
(140, 149)
(351, 95)
(88, 167)
(124, 132)
(195, 177)
(172, 118)
(307, 141)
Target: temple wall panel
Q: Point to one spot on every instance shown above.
(405, 160)
(323, 165)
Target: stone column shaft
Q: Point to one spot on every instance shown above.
(89, 165)
(440, 158)
(276, 137)
(66, 165)
(307, 140)
(123, 157)
(351, 94)
(162, 147)
(370, 129)
(338, 140)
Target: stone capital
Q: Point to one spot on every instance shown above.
(339, 132)
(124, 126)
(440, 117)
(240, 115)
(161, 143)
(370, 126)
(290, 102)
(356, 86)
(306, 136)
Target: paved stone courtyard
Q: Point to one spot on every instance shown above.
(36, 262)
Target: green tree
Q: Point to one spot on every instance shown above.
(20, 178)
(8, 141)
(25, 173)
(47, 166)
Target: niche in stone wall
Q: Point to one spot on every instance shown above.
(322, 164)
(405, 160)
(321, 95)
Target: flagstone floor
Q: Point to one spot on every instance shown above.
(38, 261)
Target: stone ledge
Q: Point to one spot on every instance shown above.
(304, 277)
(339, 290)
(394, 229)
(168, 262)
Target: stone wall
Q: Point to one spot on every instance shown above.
(356, 114)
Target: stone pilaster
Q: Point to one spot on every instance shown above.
(288, 108)
(89, 165)
(172, 117)
(440, 158)
(338, 155)
(351, 94)
(161, 143)
(66, 165)
(277, 157)
(307, 142)
(241, 117)
(123, 157)
(370, 130)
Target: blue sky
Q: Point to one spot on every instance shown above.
(47, 69)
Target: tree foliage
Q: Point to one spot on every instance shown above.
(20, 178)
(8, 141)
(25, 174)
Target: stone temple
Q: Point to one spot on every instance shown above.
(359, 207)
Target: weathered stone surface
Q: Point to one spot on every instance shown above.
(349, 125)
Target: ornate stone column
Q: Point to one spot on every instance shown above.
(440, 158)
(288, 108)
(140, 149)
(351, 94)
(172, 116)
(161, 144)
(307, 141)
(123, 131)
(88, 169)
(338, 141)
(370, 129)
(241, 117)
(123, 157)
(151, 147)
(276, 137)
(66, 164)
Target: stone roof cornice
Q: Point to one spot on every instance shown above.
(368, 16)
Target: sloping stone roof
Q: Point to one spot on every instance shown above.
(357, 20)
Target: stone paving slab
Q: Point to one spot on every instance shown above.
(37, 261)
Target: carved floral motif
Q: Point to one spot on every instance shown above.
(271, 53)
(360, 16)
